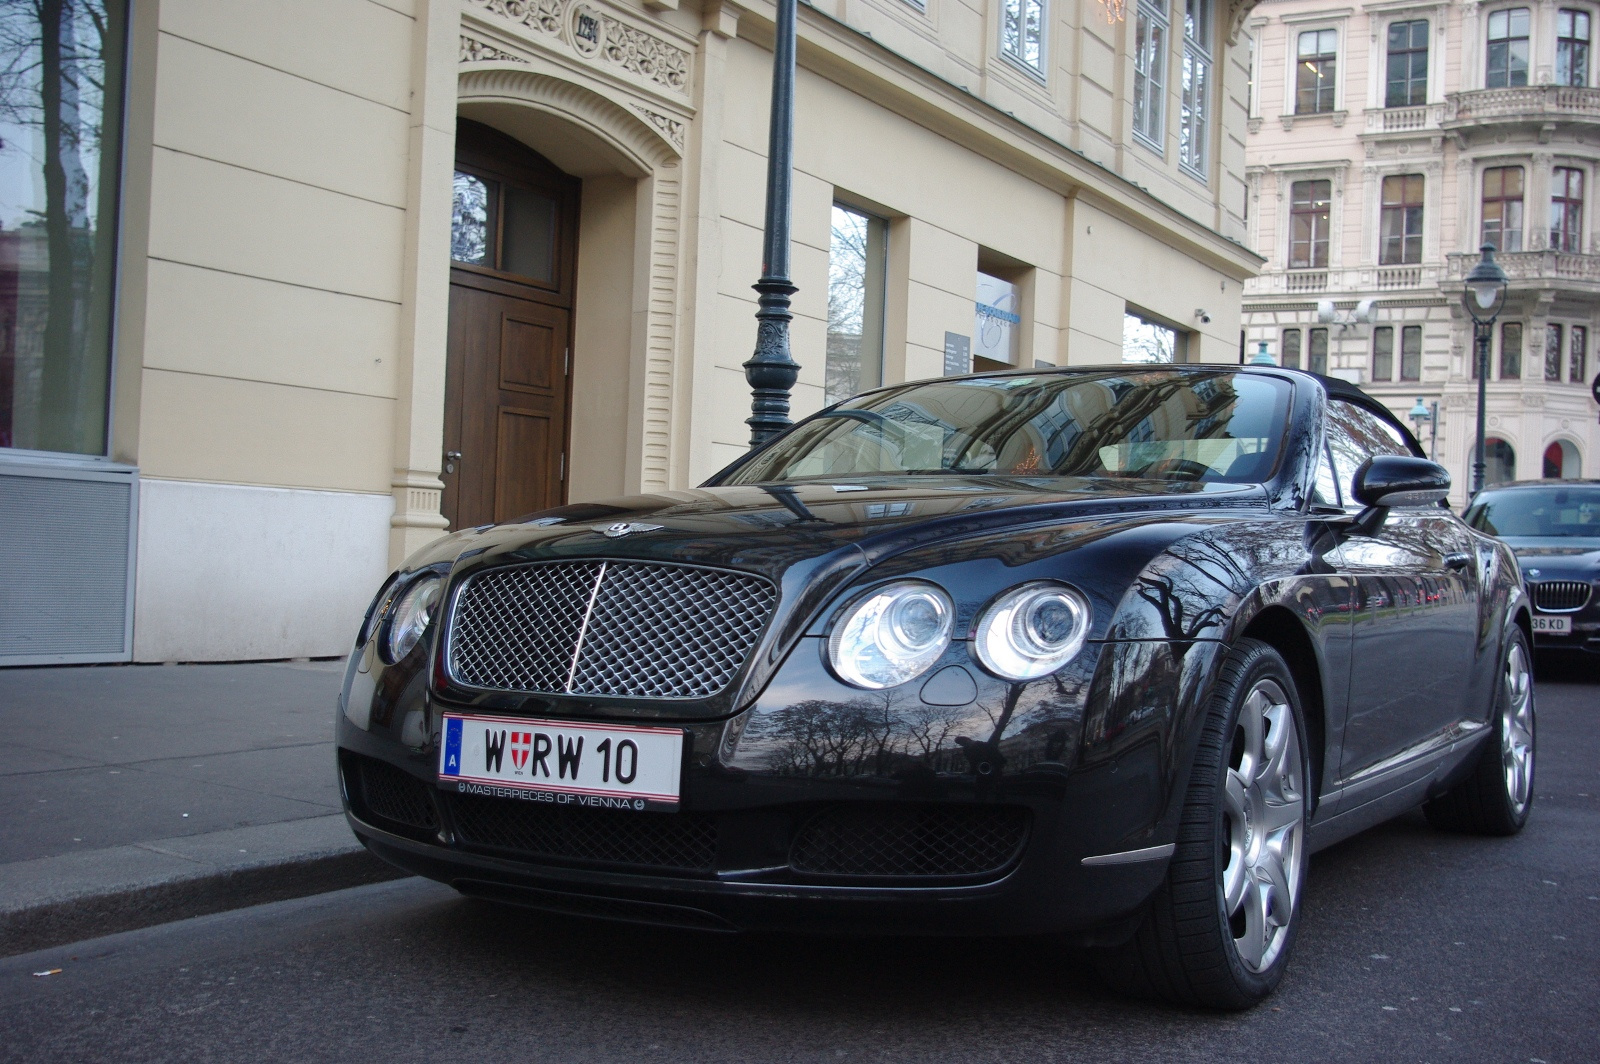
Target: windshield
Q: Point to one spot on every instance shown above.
(1196, 426)
(1537, 512)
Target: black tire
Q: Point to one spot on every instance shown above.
(1484, 802)
(1185, 951)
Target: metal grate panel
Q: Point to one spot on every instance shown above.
(625, 629)
(1559, 595)
(683, 841)
(390, 793)
(910, 841)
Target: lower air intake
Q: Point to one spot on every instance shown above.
(384, 792)
(920, 841)
(676, 841)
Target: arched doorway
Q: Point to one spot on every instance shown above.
(1561, 461)
(513, 251)
(1499, 461)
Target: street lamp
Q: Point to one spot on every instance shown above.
(771, 372)
(1422, 412)
(1484, 297)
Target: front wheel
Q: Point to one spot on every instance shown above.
(1219, 930)
(1497, 797)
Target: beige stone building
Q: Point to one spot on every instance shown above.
(289, 287)
(1386, 142)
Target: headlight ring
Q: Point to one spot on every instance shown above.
(1031, 631)
(410, 616)
(891, 635)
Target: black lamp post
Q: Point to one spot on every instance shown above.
(1484, 298)
(770, 371)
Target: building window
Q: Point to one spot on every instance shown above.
(1317, 356)
(1577, 354)
(1309, 206)
(1552, 352)
(1150, 72)
(1499, 461)
(1194, 126)
(1511, 351)
(1566, 209)
(61, 82)
(1502, 207)
(1144, 340)
(1408, 64)
(1411, 353)
(857, 255)
(1561, 461)
(1572, 47)
(1291, 349)
(1316, 71)
(1383, 353)
(1022, 33)
(1400, 228)
(1507, 60)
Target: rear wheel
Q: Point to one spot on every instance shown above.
(1497, 797)
(1219, 931)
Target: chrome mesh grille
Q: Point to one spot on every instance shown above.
(625, 629)
(1561, 595)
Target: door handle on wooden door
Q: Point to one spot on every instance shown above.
(450, 460)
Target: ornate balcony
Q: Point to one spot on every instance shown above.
(1532, 105)
(1532, 265)
(1354, 281)
(1406, 119)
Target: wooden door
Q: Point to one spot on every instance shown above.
(514, 252)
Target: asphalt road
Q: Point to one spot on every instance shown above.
(1417, 946)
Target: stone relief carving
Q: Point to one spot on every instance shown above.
(476, 51)
(640, 53)
(599, 36)
(541, 15)
(670, 128)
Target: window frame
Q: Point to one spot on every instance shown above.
(1568, 42)
(1510, 371)
(1151, 13)
(1554, 351)
(1194, 108)
(1484, 199)
(1283, 347)
(1312, 338)
(874, 263)
(1566, 231)
(1489, 42)
(1408, 350)
(1041, 71)
(1382, 353)
(1411, 78)
(1577, 354)
(1408, 212)
(1327, 221)
(1322, 57)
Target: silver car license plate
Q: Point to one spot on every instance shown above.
(1552, 625)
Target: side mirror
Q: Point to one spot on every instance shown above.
(1392, 480)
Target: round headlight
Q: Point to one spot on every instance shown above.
(1031, 631)
(411, 616)
(891, 635)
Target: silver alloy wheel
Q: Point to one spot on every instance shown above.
(1263, 810)
(1516, 729)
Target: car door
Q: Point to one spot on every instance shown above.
(1415, 616)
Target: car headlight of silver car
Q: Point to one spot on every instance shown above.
(1031, 631)
(891, 635)
(410, 616)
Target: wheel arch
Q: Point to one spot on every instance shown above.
(1279, 628)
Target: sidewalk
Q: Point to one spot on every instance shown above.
(137, 794)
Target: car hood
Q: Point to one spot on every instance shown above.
(767, 529)
(1553, 555)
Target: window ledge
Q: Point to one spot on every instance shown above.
(1335, 117)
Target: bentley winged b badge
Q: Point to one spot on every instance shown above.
(625, 528)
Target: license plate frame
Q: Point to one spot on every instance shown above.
(1545, 624)
(554, 761)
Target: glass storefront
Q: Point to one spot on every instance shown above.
(61, 87)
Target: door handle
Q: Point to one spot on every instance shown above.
(450, 460)
(1457, 562)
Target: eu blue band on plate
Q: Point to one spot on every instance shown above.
(452, 748)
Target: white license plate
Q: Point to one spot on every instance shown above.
(595, 765)
(1555, 625)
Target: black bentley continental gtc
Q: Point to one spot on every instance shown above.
(1105, 652)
